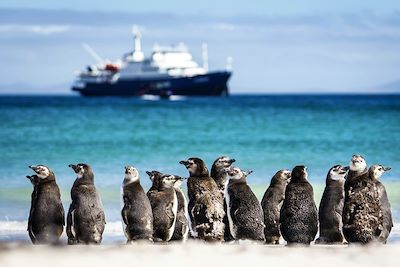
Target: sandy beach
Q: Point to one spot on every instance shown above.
(198, 254)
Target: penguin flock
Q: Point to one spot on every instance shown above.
(221, 207)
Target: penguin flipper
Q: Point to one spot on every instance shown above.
(124, 215)
(70, 225)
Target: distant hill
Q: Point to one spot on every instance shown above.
(26, 88)
(391, 87)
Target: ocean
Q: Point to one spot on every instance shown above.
(263, 133)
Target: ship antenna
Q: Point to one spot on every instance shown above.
(229, 61)
(93, 53)
(137, 49)
(205, 56)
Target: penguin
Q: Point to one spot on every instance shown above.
(137, 215)
(299, 215)
(182, 217)
(375, 172)
(46, 217)
(164, 203)
(86, 219)
(218, 173)
(206, 205)
(357, 224)
(271, 204)
(245, 214)
(331, 207)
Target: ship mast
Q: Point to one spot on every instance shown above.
(205, 56)
(137, 49)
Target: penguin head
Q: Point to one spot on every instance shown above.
(236, 174)
(376, 171)
(281, 177)
(131, 175)
(34, 179)
(168, 180)
(155, 177)
(42, 171)
(196, 167)
(299, 173)
(81, 170)
(337, 173)
(223, 162)
(178, 181)
(357, 163)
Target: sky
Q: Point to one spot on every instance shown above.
(276, 46)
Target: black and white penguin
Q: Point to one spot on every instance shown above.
(206, 205)
(182, 217)
(218, 173)
(382, 234)
(331, 207)
(245, 214)
(356, 227)
(299, 215)
(137, 215)
(46, 217)
(86, 219)
(164, 203)
(272, 203)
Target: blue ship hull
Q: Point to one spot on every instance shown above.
(210, 84)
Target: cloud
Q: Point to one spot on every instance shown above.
(34, 29)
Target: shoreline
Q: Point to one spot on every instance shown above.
(199, 254)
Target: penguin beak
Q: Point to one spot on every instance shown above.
(33, 167)
(386, 168)
(232, 161)
(74, 167)
(345, 168)
(178, 178)
(184, 162)
(148, 173)
(247, 173)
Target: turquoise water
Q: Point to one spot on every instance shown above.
(263, 133)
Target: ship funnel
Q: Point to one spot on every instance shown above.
(137, 54)
(205, 56)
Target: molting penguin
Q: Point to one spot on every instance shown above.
(299, 216)
(136, 214)
(382, 234)
(355, 228)
(272, 203)
(218, 173)
(331, 207)
(182, 216)
(164, 204)
(46, 217)
(206, 206)
(357, 174)
(244, 212)
(86, 219)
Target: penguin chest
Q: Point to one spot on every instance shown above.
(229, 212)
(175, 211)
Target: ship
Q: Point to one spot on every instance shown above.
(169, 71)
